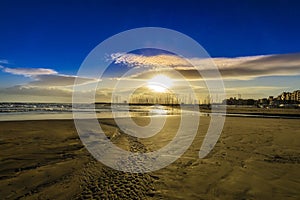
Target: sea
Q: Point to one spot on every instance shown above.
(42, 111)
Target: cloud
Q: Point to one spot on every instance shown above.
(59, 80)
(45, 85)
(239, 68)
(3, 61)
(37, 91)
(28, 71)
(140, 61)
(49, 94)
(44, 77)
(47, 82)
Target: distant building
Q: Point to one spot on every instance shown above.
(295, 96)
(285, 99)
(285, 96)
(289, 97)
(270, 99)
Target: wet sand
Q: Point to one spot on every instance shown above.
(255, 158)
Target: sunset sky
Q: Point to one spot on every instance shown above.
(255, 44)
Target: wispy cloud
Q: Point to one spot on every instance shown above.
(141, 61)
(37, 91)
(28, 71)
(3, 61)
(59, 80)
(46, 82)
(230, 68)
(44, 77)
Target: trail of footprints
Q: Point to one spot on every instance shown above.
(101, 182)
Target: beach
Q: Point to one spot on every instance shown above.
(255, 158)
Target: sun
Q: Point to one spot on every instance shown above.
(160, 83)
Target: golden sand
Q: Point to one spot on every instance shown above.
(255, 158)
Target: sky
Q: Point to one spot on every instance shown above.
(255, 44)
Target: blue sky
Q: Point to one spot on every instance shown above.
(58, 35)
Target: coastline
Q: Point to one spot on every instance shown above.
(230, 112)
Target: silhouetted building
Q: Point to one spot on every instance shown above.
(284, 100)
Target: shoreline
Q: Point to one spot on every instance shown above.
(140, 111)
(69, 116)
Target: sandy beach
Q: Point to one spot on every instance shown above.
(255, 158)
(149, 100)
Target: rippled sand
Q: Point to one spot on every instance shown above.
(255, 158)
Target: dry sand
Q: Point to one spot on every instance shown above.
(255, 158)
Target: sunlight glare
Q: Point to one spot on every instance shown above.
(160, 83)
